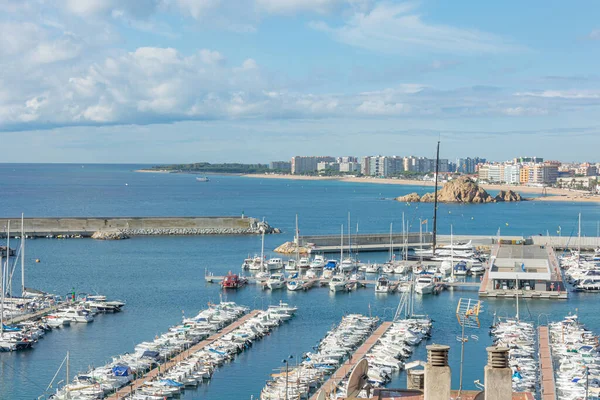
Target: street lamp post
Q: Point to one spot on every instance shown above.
(286, 362)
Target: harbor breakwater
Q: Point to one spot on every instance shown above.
(123, 227)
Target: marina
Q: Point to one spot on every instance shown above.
(159, 276)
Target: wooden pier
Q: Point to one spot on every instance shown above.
(154, 373)
(32, 316)
(548, 388)
(358, 355)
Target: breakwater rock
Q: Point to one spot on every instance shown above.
(291, 248)
(462, 190)
(194, 231)
(110, 235)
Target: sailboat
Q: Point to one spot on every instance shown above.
(263, 274)
(295, 282)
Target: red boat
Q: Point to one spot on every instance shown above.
(233, 281)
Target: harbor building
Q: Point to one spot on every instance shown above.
(529, 271)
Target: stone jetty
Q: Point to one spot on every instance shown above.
(116, 228)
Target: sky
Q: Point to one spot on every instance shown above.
(159, 81)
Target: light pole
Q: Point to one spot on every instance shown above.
(286, 362)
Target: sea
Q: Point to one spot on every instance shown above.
(162, 278)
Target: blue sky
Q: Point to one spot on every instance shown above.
(258, 80)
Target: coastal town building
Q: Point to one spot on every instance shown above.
(468, 165)
(283, 166)
(328, 166)
(303, 165)
(581, 183)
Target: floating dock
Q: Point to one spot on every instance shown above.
(358, 355)
(136, 384)
(547, 386)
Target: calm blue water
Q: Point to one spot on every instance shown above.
(160, 277)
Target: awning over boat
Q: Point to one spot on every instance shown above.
(7, 328)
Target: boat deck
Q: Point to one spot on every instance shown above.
(358, 355)
(548, 389)
(136, 384)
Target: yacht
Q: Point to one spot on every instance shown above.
(318, 262)
(291, 265)
(461, 269)
(401, 268)
(348, 264)
(274, 263)
(590, 284)
(446, 267)
(337, 283)
(276, 281)
(383, 285)
(75, 315)
(372, 268)
(477, 268)
(425, 284)
(303, 263)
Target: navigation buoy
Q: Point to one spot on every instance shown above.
(127, 184)
(37, 260)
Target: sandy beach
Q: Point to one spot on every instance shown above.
(553, 194)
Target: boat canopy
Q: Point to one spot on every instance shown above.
(151, 354)
(7, 328)
(121, 370)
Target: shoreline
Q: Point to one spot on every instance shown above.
(553, 194)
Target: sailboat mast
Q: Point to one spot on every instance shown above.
(342, 245)
(262, 251)
(5, 272)
(2, 296)
(452, 251)
(22, 256)
(297, 242)
(391, 243)
(68, 369)
(435, 195)
(579, 239)
(349, 237)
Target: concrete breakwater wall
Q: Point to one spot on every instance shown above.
(137, 226)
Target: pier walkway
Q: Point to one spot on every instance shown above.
(358, 355)
(136, 384)
(548, 389)
(32, 316)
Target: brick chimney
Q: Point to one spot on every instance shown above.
(498, 375)
(437, 373)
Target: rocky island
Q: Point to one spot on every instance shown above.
(462, 190)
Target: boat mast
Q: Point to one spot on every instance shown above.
(262, 251)
(297, 243)
(435, 195)
(391, 243)
(342, 246)
(22, 256)
(2, 296)
(452, 252)
(349, 237)
(579, 240)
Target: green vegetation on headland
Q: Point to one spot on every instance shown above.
(233, 168)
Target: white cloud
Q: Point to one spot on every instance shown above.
(397, 28)
(380, 107)
(294, 6)
(595, 34)
(562, 94)
(524, 111)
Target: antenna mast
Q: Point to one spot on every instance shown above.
(435, 196)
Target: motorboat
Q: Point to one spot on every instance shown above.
(303, 264)
(372, 268)
(383, 285)
(401, 269)
(274, 264)
(318, 262)
(76, 315)
(291, 265)
(461, 269)
(425, 284)
(276, 281)
(233, 281)
(295, 282)
(347, 264)
(477, 268)
(338, 283)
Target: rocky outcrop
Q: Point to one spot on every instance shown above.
(409, 198)
(508, 196)
(462, 190)
(110, 235)
(290, 248)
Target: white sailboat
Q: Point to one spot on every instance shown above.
(296, 283)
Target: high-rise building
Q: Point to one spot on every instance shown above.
(302, 165)
(468, 165)
(512, 174)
